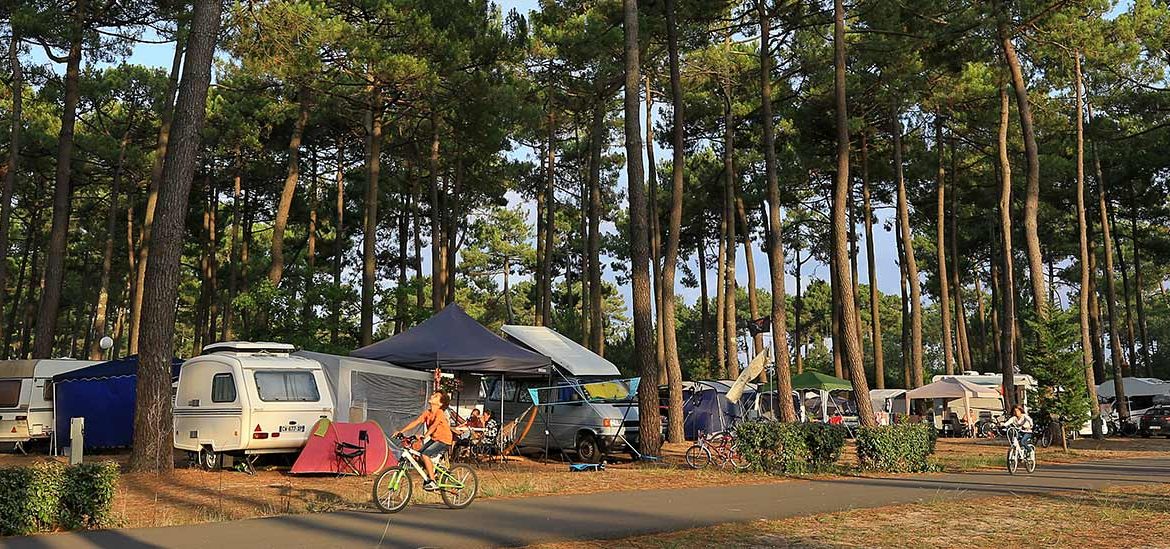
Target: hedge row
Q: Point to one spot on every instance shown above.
(789, 448)
(49, 495)
(902, 448)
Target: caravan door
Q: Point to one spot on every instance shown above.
(14, 397)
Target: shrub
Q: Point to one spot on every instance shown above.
(48, 495)
(87, 494)
(773, 447)
(29, 497)
(901, 448)
(824, 443)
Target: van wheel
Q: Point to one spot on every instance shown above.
(587, 449)
(209, 459)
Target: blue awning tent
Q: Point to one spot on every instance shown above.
(105, 395)
(706, 408)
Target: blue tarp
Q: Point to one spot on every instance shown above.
(104, 394)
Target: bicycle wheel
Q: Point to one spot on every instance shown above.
(1030, 463)
(1013, 461)
(698, 457)
(736, 459)
(1045, 438)
(464, 486)
(392, 490)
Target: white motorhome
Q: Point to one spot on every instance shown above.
(26, 397)
(247, 399)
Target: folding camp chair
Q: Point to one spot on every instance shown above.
(353, 456)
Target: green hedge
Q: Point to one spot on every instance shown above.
(902, 448)
(49, 495)
(789, 448)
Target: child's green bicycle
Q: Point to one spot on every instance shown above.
(457, 485)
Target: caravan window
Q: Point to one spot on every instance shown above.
(223, 388)
(9, 393)
(509, 391)
(297, 386)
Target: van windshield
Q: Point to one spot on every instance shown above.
(9, 393)
(287, 387)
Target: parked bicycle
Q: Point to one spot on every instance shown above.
(716, 448)
(1019, 452)
(457, 485)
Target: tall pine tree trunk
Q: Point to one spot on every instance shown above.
(721, 351)
(1138, 283)
(229, 307)
(437, 290)
(655, 234)
(1119, 365)
(940, 244)
(156, 174)
(1007, 290)
(650, 439)
(674, 405)
(550, 225)
(13, 166)
(879, 366)
(153, 449)
(907, 240)
(775, 244)
(370, 217)
(276, 271)
(704, 300)
(1129, 339)
(62, 194)
(100, 313)
(1083, 237)
(850, 331)
(731, 354)
(596, 140)
(750, 261)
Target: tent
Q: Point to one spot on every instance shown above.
(366, 390)
(453, 341)
(105, 395)
(817, 381)
(567, 355)
(707, 408)
(951, 389)
(320, 453)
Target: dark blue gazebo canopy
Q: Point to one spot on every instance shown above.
(105, 395)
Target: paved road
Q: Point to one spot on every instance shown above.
(598, 516)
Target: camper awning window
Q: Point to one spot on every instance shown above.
(287, 387)
(9, 393)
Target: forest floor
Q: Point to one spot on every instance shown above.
(190, 496)
(1130, 516)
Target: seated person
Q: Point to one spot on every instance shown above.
(475, 421)
(490, 425)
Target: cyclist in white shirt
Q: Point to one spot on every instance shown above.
(1023, 422)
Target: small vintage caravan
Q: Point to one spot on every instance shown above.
(26, 397)
(242, 398)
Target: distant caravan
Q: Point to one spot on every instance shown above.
(26, 398)
(247, 399)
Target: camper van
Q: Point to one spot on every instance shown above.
(26, 398)
(247, 399)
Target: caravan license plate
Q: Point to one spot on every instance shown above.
(1155, 427)
(292, 428)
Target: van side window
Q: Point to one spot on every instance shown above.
(9, 393)
(48, 394)
(297, 386)
(223, 388)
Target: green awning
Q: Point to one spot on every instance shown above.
(815, 381)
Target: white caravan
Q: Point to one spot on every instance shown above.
(242, 398)
(26, 397)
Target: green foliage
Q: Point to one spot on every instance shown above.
(87, 493)
(29, 497)
(49, 495)
(773, 447)
(901, 448)
(824, 443)
(1054, 359)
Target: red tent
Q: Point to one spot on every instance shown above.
(324, 453)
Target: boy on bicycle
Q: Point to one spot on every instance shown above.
(438, 434)
(1024, 422)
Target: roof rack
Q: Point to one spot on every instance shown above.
(253, 347)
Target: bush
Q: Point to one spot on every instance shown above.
(824, 443)
(902, 448)
(49, 495)
(773, 447)
(87, 495)
(29, 497)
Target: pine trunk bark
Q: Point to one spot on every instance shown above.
(650, 439)
(1129, 339)
(100, 312)
(674, 406)
(1007, 290)
(720, 371)
(1032, 155)
(875, 317)
(655, 234)
(550, 224)
(593, 253)
(156, 174)
(153, 449)
(907, 240)
(750, 261)
(229, 307)
(704, 299)
(62, 195)
(276, 270)
(940, 245)
(338, 239)
(1138, 283)
(850, 331)
(12, 168)
(370, 216)
(729, 191)
(1119, 365)
(1083, 238)
(437, 290)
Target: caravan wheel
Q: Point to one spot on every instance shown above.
(209, 459)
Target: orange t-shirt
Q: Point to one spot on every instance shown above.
(438, 426)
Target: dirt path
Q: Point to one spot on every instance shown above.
(610, 515)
